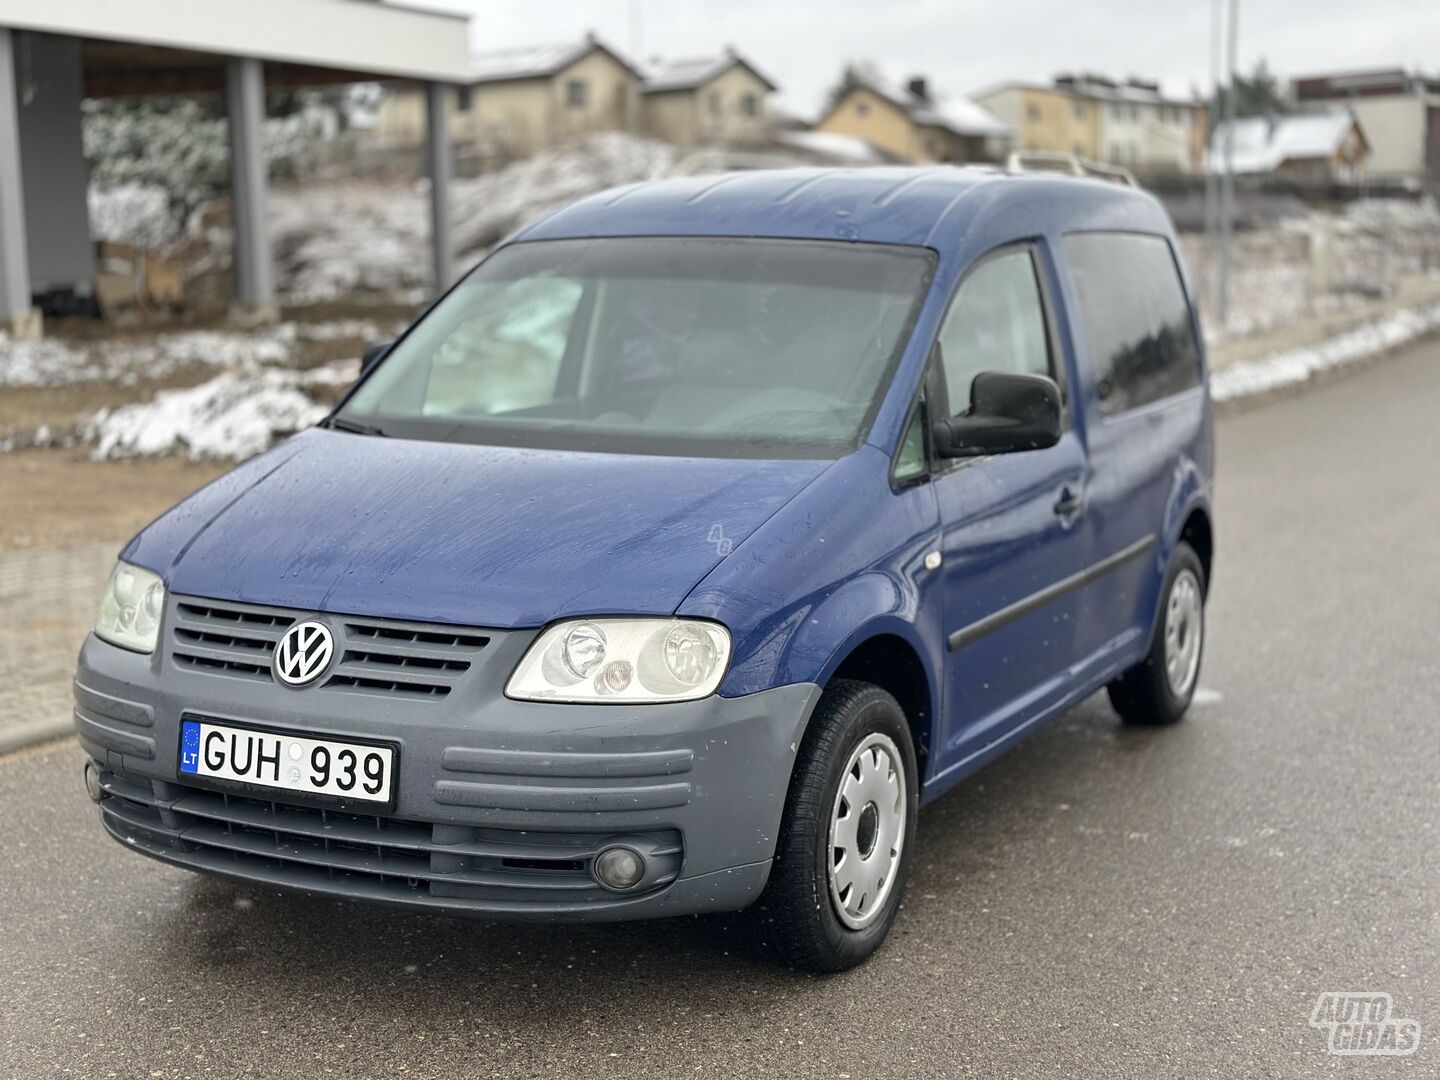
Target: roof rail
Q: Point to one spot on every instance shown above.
(1023, 161)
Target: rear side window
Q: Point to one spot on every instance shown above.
(1135, 316)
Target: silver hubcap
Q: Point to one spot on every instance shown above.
(1184, 631)
(867, 831)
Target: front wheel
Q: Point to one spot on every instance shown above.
(845, 841)
(1159, 689)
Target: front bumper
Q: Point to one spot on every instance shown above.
(500, 805)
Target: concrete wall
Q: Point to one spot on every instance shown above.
(52, 161)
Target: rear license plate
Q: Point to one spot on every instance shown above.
(286, 762)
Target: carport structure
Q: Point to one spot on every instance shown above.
(54, 54)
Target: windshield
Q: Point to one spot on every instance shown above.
(705, 347)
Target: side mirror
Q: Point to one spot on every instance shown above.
(372, 356)
(1008, 413)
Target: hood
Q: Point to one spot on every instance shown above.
(477, 535)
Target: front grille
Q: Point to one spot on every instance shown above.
(415, 660)
(227, 638)
(363, 855)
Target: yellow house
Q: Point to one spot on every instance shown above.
(912, 125)
(716, 99)
(1046, 118)
(1127, 122)
(519, 101)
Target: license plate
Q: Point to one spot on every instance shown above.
(287, 762)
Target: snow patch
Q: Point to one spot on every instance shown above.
(136, 214)
(53, 362)
(336, 240)
(1300, 365)
(234, 415)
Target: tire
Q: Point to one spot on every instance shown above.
(801, 915)
(1147, 694)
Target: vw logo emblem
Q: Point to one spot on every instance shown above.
(303, 653)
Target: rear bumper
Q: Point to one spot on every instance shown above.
(500, 805)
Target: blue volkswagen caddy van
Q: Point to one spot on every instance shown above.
(674, 559)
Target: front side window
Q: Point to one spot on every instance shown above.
(577, 93)
(995, 323)
(750, 105)
(682, 346)
(1135, 316)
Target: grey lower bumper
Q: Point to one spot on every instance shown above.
(500, 805)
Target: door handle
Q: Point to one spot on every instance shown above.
(1070, 503)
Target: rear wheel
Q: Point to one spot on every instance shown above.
(845, 841)
(1159, 689)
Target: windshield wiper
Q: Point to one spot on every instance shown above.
(339, 423)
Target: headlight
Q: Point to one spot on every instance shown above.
(623, 660)
(130, 612)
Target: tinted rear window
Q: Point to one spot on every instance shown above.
(1135, 317)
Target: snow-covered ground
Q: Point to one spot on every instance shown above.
(233, 416)
(1297, 366)
(57, 362)
(336, 239)
(1372, 243)
(261, 390)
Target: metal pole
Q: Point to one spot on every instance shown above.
(1212, 193)
(1227, 190)
(439, 168)
(245, 104)
(15, 313)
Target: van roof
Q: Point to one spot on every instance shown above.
(917, 206)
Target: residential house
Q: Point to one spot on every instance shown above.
(518, 101)
(709, 100)
(1047, 118)
(912, 124)
(1131, 123)
(1315, 150)
(1399, 112)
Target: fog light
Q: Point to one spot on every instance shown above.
(92, 781)
(619, 868)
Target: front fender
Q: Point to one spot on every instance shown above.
(809, 644)
(841, 563)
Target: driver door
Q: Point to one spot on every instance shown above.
(1008, 521)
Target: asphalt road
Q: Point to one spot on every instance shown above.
(1100, 902)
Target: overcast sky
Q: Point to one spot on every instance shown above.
(964, 45)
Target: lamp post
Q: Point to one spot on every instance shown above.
(1227, 187)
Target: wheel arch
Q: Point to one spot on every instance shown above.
(890, 657)
(1198, 531)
